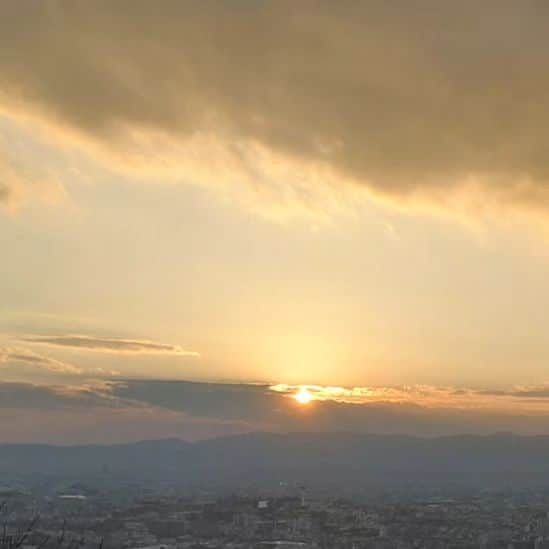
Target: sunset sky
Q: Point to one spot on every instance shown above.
(206, 205)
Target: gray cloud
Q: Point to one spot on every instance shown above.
(540, 392)
(416, 411)
(139, 409)
(54, 397)
(70, 414)
(110, 345)
(401, 96)
(222, 400)
(30, 358)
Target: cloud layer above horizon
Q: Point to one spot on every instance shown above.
(129, 410)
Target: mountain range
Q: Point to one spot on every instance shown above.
(310, 456)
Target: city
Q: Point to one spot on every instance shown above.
(46, 517)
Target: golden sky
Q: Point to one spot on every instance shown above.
(332, 194)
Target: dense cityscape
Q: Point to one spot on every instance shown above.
(74, 515)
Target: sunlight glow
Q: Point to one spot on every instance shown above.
(303, 396)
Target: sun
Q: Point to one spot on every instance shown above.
(303, 396)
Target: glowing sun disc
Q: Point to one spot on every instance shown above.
(303, 396)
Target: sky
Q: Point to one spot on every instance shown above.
(207, 206)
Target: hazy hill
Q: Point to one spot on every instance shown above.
(264, 456)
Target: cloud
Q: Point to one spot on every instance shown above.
(236, 401)
(415, 410)
(29, 358)
(265, 403)
(523, 398)
(138, 409)
(110, 345)
(441, 101)
(51, 397)
(72, 414)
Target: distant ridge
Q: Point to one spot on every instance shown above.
(312, 456)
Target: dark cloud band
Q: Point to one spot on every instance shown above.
(404, 97)
(134, 409)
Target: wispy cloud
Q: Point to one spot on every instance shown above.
(29, 358)
(110, 345)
